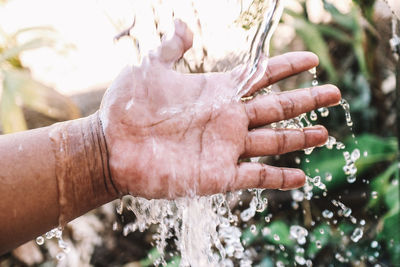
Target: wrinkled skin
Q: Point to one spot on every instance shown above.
(171, 134)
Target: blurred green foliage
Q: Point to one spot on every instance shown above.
(20, 90)
(347, 49)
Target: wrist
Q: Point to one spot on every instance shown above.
(82, 169)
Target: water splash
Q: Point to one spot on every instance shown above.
(62, 245)
(260, 45)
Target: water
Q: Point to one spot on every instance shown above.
(63, 246)
(357, 234)
(299, 234)
(205, 230)
(345, 105)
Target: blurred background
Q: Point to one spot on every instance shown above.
(58, 57)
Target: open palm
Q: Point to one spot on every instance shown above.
(171, 134)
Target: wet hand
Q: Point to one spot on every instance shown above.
(171, 134)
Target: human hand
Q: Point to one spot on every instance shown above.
(171, 134)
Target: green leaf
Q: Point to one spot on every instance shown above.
(16, 50)
(314, 41)
(390, 234)
(152, 256)
(266, 262)
(332, 161)
(380, 184)
(334, 33)
(392, 196)
(346, 228)
(39, 97)
(358, 48)
(315, 236)
(248, 237)
(281, 229)
(174, 262)
(12, 117)
(343, 20)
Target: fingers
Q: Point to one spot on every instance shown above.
(265, 109)
(257, 175)
(173, 48)
(263, 142)
(283, 66)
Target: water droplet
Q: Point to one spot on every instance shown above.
(276, 237)
(60, 256)
(345, 105)
(253, 229)
(356, 235)
(115, 226)
(57, 232)
(62, 244)
(49, 235)
(308, 151)
(322, 231)
(362, 222)
(266, 231)
(374, 244)
(340, 145)
(313, 71)
(297, 160)
(327, 214)
(324, 112)
(330, 142)
(355, 155)
(328, 177)
(40, 240)
(247, 214)
(339, 257)
(346, 156)
(313, 115)
(347, 212)
(317, 181)
(374, 194)
(314, 82)
(300, 260)
(351, 179)
(365, 154)
(297, 195)
(318, 244)
(120, 207)
(299, 233)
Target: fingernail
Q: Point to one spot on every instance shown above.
(326, 95)
(294, 178)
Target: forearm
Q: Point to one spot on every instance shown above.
(50, 176)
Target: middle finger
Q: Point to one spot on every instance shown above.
(264, 142)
